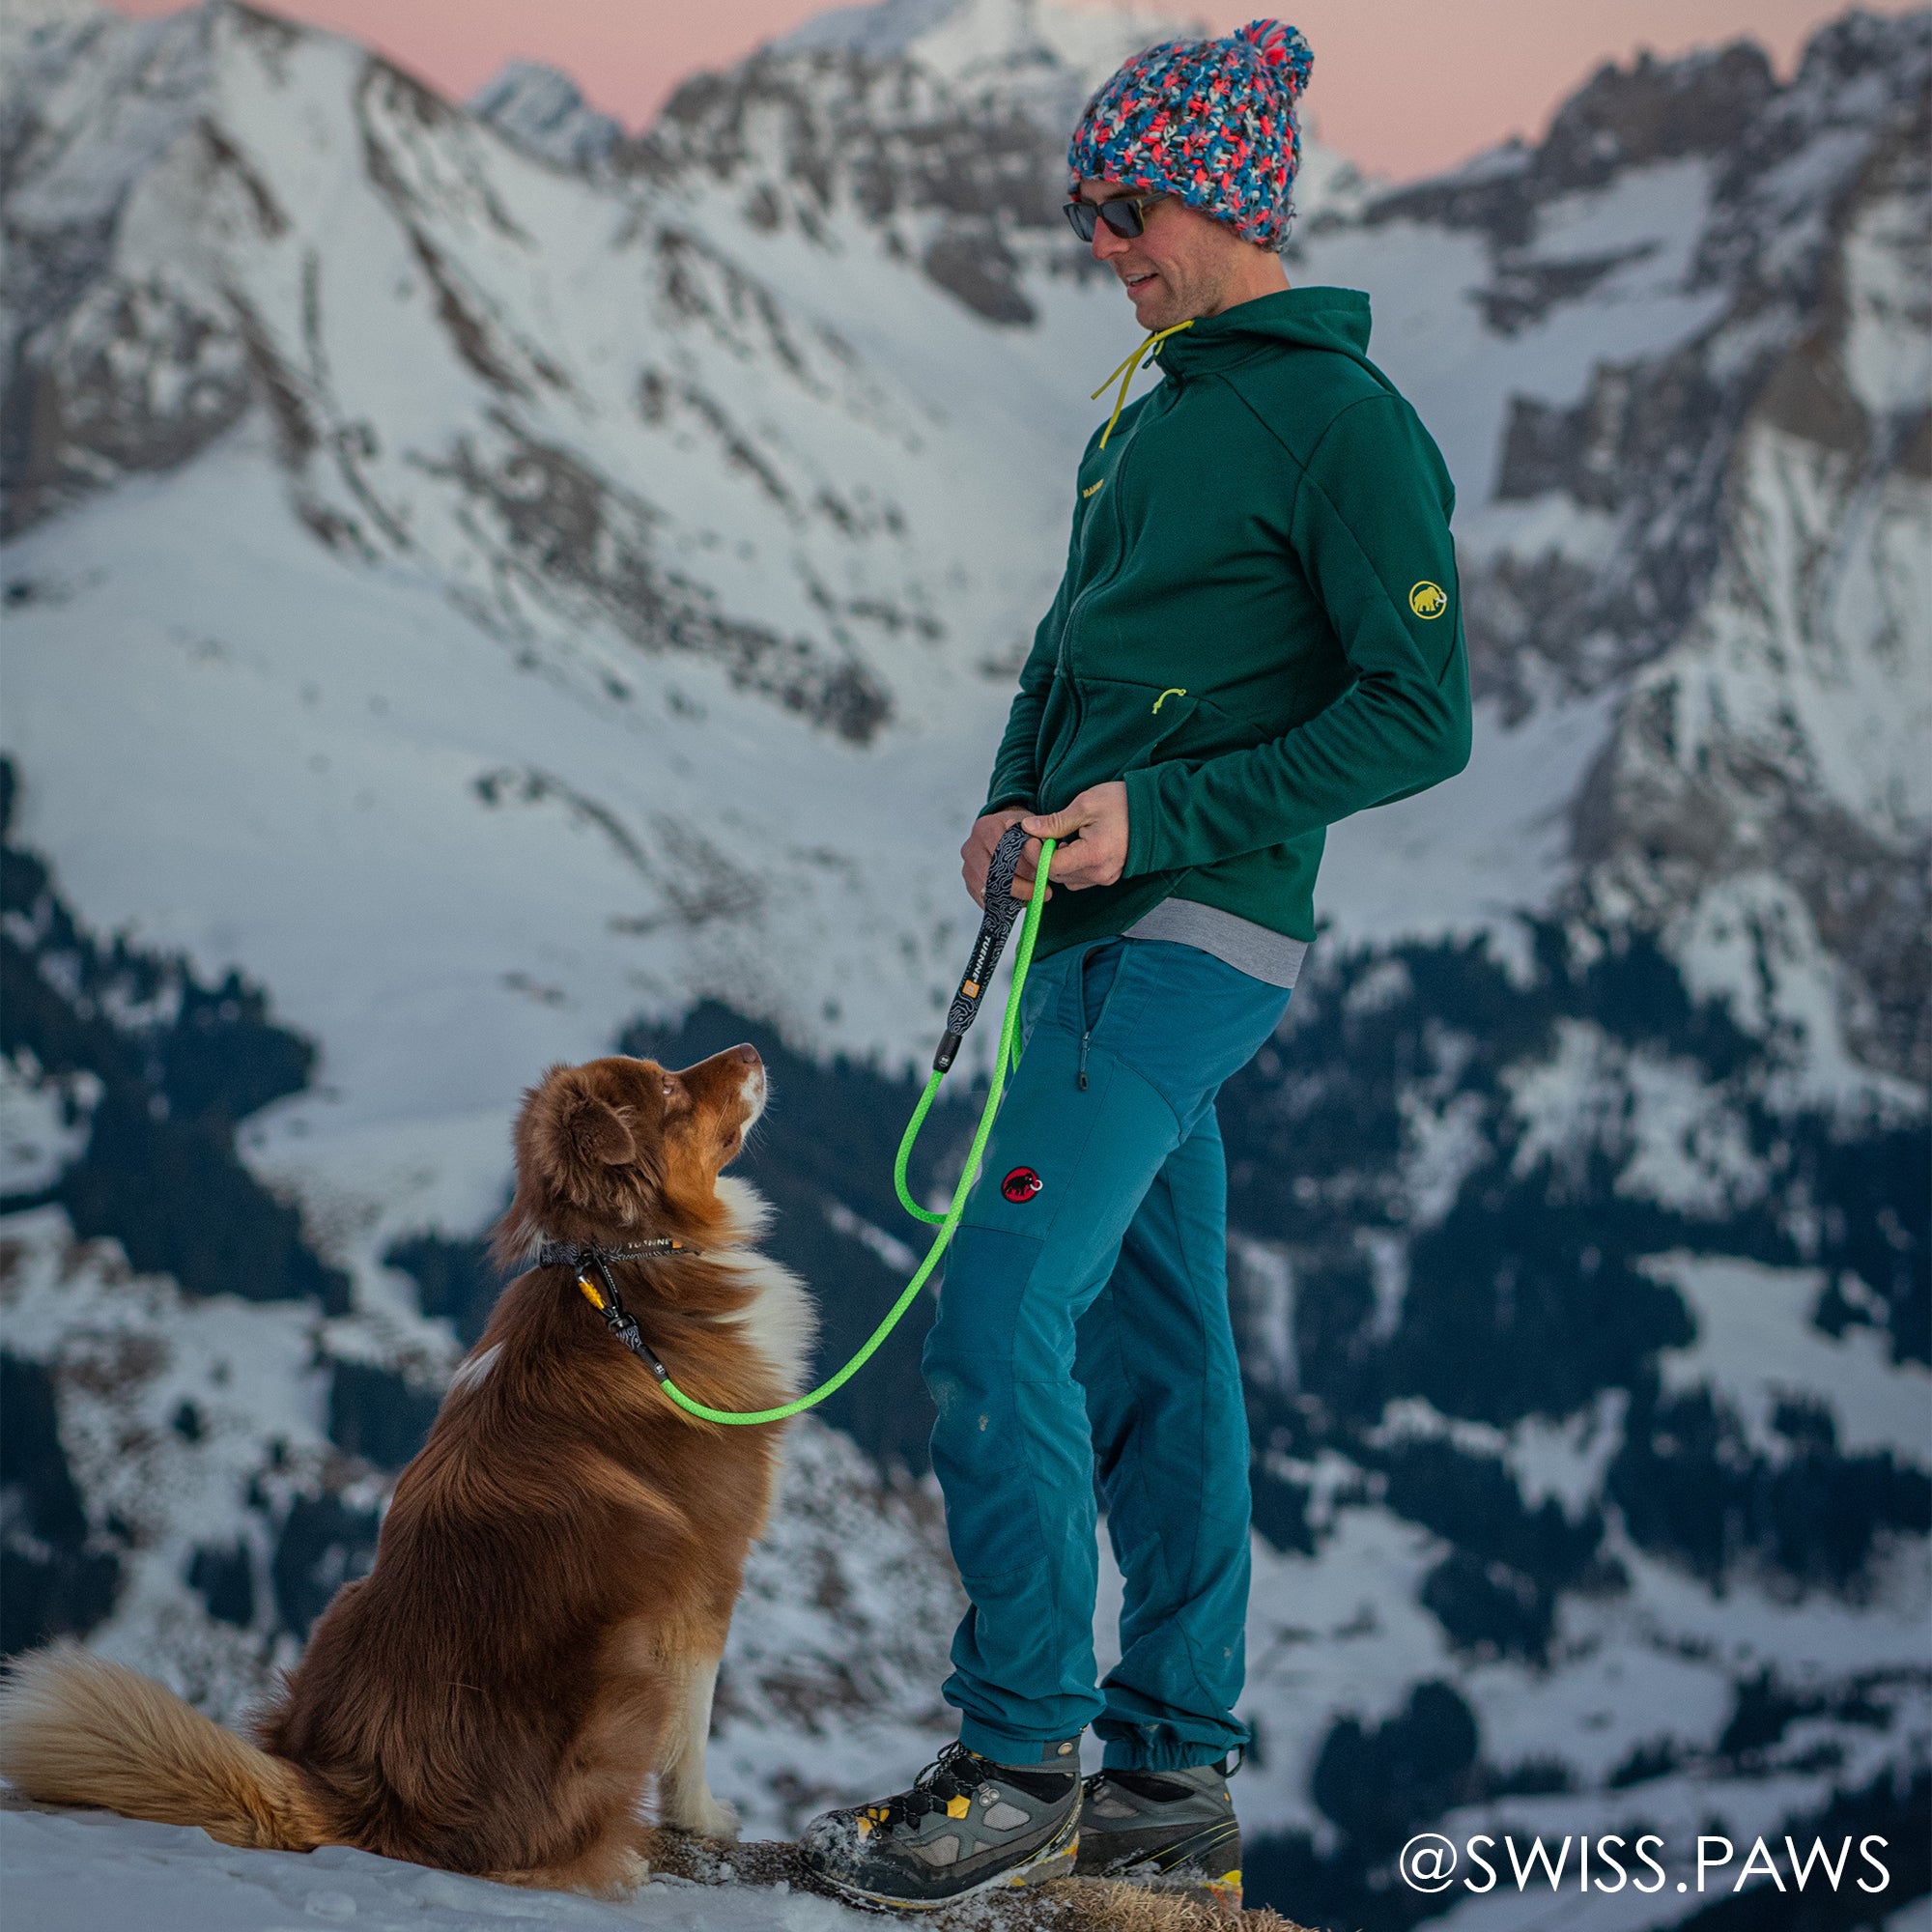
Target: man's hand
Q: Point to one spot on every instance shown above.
(1092, 831)
(976, 855)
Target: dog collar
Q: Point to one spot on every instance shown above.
(582, 1254)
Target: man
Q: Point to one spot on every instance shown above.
(1258, 634)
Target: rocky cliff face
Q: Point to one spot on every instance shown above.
(479, 589)
(1759, 480)
(1768, 753)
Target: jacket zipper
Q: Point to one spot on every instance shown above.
(1121, 552)
(1061, 667)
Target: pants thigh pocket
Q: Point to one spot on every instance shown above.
(1099, 969)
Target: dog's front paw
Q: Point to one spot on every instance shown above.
(710, 1818)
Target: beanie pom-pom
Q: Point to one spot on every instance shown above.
(1281, 47)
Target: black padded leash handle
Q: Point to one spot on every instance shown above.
(1003, 909)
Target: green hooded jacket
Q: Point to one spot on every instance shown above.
(1260, 626)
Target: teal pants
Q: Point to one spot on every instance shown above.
(1083, 1340)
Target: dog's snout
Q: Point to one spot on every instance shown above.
(752, 1087)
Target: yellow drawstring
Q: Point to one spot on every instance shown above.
(1126, 371)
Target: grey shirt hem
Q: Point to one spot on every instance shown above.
(1271, 957)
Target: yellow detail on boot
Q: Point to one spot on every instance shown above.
(957, 1807)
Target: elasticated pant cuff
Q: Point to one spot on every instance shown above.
(1004, 1748)
(1135, 1755)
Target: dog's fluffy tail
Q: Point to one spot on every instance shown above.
(75, 1729)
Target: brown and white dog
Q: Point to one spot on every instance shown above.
(554, 1578)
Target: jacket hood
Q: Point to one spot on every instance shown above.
(1313, 317)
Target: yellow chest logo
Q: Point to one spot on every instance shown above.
(1427, 599)
(1093, 488)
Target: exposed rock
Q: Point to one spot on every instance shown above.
(542, 111)
(1736, 753)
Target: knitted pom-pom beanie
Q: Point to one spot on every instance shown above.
(1212, 121)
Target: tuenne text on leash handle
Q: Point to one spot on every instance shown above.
(1002, 910)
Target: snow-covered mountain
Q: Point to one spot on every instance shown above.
(479, 587)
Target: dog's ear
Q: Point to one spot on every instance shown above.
(596, 1134)
(571, 1137)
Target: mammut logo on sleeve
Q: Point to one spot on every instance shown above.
(1427, 599)
(1021, 1185)
(1093, 489)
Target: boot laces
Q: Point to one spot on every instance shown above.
(956, 1772)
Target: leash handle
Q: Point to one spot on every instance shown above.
(1002, 909)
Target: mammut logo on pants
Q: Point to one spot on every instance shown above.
(1021, 1185)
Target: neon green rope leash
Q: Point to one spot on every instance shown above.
(911, 1134)
(1001, 1073)
(1008, 1056)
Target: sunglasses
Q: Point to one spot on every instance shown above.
(1124, 215)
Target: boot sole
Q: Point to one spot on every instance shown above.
(1055, 1858)
(1185, 1867)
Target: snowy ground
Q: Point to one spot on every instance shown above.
(83, 1871)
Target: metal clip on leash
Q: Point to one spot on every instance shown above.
(1002, 910)
(620, 1321)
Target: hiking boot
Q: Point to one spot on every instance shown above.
(1174, 1830)
(966, 1826)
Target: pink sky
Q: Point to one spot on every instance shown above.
(1401, 86)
